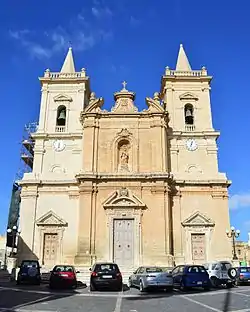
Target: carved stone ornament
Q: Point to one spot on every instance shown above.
(124, 101)
(95, 104)
(188, 96)
(154, 104)
(198, 219)
(123, 198)
(50, 219)
(124, 133)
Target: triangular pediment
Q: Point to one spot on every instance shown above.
(62, 98)
(51, 219)
(198, 219)
(123, 198)
(188, 96)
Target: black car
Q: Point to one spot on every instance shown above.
(105, 275)
(29, 272)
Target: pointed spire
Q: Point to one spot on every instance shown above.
(182, 61)
(68, 65)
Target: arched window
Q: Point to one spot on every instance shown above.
(61, 118)
(189, 114)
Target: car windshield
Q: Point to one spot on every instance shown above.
(225, 266)
(154, 270)
(245, 270)
(30, 264)
(196, 269)
(63, 268)
(167, 269)
(106, 267)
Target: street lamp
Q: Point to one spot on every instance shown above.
(233, 234)
(14, 233)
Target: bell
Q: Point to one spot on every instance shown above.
(189, 113)
(62, 115)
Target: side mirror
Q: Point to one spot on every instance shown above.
(170, 272)
(134, 272)
(77, 272)
(90, 269)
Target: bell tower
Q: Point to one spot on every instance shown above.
(192, 136)
(59, 136)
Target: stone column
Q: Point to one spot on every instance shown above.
(85, 224)
(177, 229)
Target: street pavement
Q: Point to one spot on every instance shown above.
(41, 299)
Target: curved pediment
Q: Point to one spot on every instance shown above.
(188, 96)
(62, 98)
(123, 198)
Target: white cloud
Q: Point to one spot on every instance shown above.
(134, 21)
(99, 10)
(238, 201)
(81, 33)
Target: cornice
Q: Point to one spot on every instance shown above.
(124, 177)
(188, 134)
(55, 135)
(212, 182)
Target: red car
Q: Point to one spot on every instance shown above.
(63, 276)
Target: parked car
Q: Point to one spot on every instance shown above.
(243, 276)
(29, 272)
(148, 277)
(188, 276)
(218, 273)
(105, 275)
(63, 276)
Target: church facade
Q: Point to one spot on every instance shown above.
(134, 187)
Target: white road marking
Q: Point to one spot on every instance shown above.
(201, 304)
(241, 294)
(31, 302)
(118, 302)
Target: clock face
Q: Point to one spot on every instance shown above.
(59, 145)
(191, 145)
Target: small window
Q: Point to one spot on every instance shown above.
(239, 252)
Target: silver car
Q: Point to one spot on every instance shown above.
(149, 277)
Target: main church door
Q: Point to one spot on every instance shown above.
(123, 243)
(50, 249)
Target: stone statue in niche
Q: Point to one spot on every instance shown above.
(123, 158)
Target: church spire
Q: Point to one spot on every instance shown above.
(68, 65)
(182, 61)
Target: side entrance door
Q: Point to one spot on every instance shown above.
(50, 247)
(198, 248)
(123, 242)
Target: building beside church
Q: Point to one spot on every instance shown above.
(134, 187)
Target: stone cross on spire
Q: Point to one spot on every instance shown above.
(124, 83)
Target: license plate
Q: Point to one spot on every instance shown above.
(107, 276)
(199, 283)
(64, 275)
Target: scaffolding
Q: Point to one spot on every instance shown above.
(27, 150)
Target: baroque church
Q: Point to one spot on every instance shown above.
(129, 186)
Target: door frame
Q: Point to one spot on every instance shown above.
(122, 214)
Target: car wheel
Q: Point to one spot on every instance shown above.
(214, 282)
(206, 288)
(230, 285)
(182, 286)
(92, 287)
(130, 283)
(51, 286)
(141, 287)
(18, 282)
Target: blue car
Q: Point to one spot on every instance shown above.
(188, 276)
(243, 276)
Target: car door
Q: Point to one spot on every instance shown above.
(175, 275)
(133, 277)
(139, 275)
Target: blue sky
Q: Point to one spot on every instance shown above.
(133, 41)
